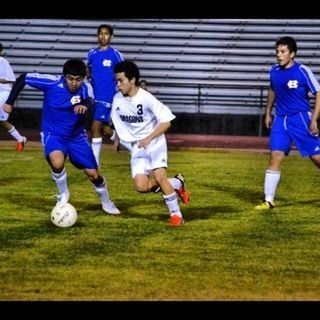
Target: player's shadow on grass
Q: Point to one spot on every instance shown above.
(8, 181)
(288, 203)
(190, 213)
(26, 201)
(248, 195)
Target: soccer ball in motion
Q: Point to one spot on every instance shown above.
(64, 215)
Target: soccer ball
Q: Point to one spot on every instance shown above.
(64, 215)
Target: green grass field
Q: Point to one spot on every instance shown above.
(225, 251)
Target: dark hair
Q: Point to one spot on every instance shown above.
(289, 42)
(129, 68)
(75, 67)
(106, 26)
(1, 47)
(143, 81)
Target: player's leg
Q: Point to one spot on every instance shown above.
(169, 196)
(307, 143)
(82, 157)
(21, 140)
(178, 182)
(141, 170)
(101, 116)
(271, 180)
(280, 144)
(56, 159)
(158, 155)
(316, 160)
(96, 142)
(100, 186)
(55, 153)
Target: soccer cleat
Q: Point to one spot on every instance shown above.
(175, 221)
(109, 207)
(182, 192)
(266, 205)
(63, 198)
(20, 145)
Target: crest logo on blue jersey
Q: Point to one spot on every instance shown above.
(106, 63)
(75, 99)
(292, 84)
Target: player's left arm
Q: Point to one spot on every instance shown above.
(14, 93)
(6, 81)
(315, 115)
(161, 128)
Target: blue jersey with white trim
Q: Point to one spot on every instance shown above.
(291, 87)
(58, 115)
(101, 64)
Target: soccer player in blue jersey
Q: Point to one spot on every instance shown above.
(100, 63)
(290, 84)
(66, 101)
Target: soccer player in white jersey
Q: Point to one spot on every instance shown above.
(141, 120)
(100, 63)
(7, 78)
(66, 101)
(290, 83)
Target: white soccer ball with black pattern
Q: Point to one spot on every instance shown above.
(64, 215)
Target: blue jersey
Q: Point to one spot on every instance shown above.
(291, 87)
(101, 64)
(58, 117)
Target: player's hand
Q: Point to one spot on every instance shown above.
(116, 146)
(314, 127)
(80, 109)
(268, 121)
(144, 142)
(7, 108)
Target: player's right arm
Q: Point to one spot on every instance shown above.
(89, 64)
(269, 106)
(315, 115)
(17, 87)
(116, 142)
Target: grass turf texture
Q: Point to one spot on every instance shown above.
(225, 251)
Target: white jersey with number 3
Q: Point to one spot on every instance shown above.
(136, 117)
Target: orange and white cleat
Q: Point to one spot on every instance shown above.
(175, 221)
(182, 192)
(20, 144)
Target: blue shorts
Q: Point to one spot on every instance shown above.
(77, 148)
(294, 129)
(101, 111)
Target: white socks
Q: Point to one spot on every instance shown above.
(15, 134)
(171, 201)
(96, 144)
(176, 183)
(271, 181)
(60, 180)
(102, 191)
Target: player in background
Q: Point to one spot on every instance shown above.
(140, 120)
(143, 84)
(67, 99)
(7, 78)
(100, 62)
(290, 83)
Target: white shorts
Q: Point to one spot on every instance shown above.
(144, 160)
(3, 98)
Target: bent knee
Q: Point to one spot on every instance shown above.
(141, 189)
